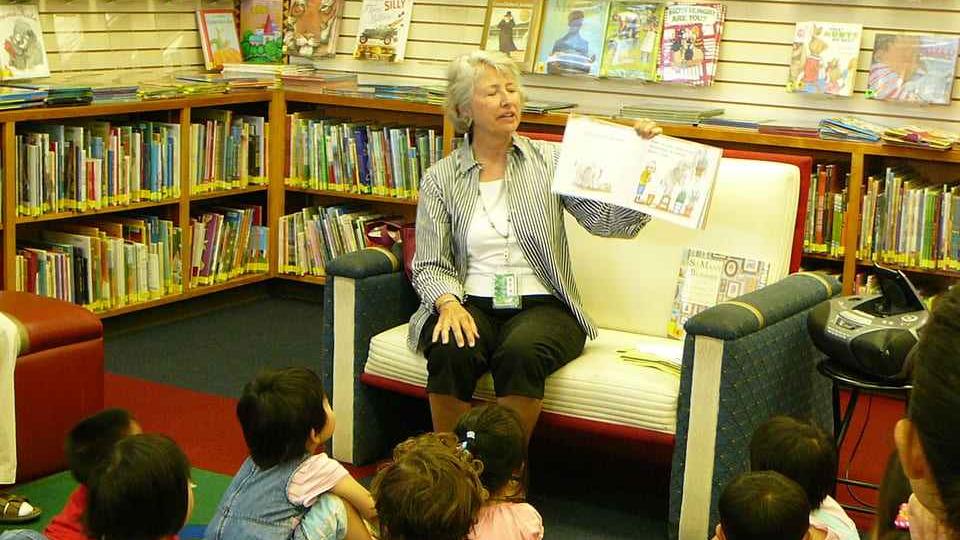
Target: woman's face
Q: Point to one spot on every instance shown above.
(495, 107)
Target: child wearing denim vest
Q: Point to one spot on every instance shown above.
(493, 434)
(286, 489)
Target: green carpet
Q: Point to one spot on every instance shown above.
(50, 493)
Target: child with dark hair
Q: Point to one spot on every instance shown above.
(88, 445)
(891, 502)
(763, 506)
(142, 491)
(493, 434)
(928, 440)
(287, 488)
(431, 490)
(805, 454)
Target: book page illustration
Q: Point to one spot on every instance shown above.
(23, 55)
(913, 68)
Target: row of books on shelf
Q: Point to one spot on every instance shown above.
(227, 242)
(92, 165)
(103, 264)
(314, 236)
(905, 220)
(329, 154)
(228, 150)
(118, 261)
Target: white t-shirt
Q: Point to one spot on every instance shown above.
(485, 246)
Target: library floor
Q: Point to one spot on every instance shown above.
(179, 369)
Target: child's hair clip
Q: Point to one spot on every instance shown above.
(902, 521)
(469, 438)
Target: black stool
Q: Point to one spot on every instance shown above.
(855, 383)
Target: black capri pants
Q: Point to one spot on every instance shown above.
(520, 347)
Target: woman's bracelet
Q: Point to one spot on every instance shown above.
(446, 301)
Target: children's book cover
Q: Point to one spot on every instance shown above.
(708, 278)
(690, 43)
(914, 68)
(571, 41)
(824, 58)
(312, 27)
(23, 56)
(512, 27)
(218, 35)
(632, 41)
(261, 34)
(384, 25)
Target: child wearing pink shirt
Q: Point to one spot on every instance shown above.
(493, 434)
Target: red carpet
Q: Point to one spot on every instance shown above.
(204, 425)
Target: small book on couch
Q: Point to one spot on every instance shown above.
(669, 178)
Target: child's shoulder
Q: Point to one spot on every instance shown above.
(503, 519)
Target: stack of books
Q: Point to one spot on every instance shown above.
(309, 80)
(20, 98)
(792, 129)
(739, 123)
(920, 137)
(105, 264)
(227, 242)
(850, 128)
(232, 82)
(62, 94)
(826, 211)
(228, 150)
(540, 106)
(109, 88)
(311, 238)
(273, 72)
(669, 113)
(328, 154)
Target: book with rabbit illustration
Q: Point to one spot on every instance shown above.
(824, 58)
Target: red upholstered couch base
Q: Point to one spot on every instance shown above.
(654, 443)
(57, 382)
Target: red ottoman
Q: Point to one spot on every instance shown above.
(58, 380)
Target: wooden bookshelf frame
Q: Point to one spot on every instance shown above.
(278, 102)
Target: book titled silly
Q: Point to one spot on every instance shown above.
(690, 43)
(261, 36)
(913, 68)
(824, 58)
(632, 40)
(382, 34)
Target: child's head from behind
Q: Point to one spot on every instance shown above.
(763, 506)
(493, 434)
(431, 490)
(92, 439)
(142, 491)
(798, 450)
(284, 414)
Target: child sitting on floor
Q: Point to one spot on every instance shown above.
(431, 490)
(286, 489)
(493, 435)
(88, 444)
(763, 506)
(805, 454)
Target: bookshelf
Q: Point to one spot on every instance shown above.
(277, 197)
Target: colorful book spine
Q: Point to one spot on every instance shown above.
(228, 151)
(228, 242)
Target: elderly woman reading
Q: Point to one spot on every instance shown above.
(492, 266)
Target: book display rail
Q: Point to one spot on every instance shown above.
(126, 206)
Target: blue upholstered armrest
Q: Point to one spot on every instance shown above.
(366, 262)
(744, 361)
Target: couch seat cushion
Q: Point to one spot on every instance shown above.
(596, 386)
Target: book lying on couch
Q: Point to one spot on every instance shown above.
(669, 178)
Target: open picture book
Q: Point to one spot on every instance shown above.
(669, 178)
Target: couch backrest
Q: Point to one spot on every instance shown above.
(630, 284)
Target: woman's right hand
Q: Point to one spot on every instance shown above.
(455, 319)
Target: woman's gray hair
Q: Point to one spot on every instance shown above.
(462, 74)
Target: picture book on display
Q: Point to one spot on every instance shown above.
(513, 28)
(23, 55)
(670, 179)
(914, 68)
(384, 25)
(708, 278)
(312, 27)
(632, 43)
(690, 43)
(824, 58)
(261, 33)
(218, 37)
(571, 41)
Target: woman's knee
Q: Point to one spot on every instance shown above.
(443, 358)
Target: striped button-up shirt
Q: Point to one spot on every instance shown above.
(448, 196)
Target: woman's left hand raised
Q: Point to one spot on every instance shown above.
(647, 129)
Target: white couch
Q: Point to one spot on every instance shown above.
(628, 287)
